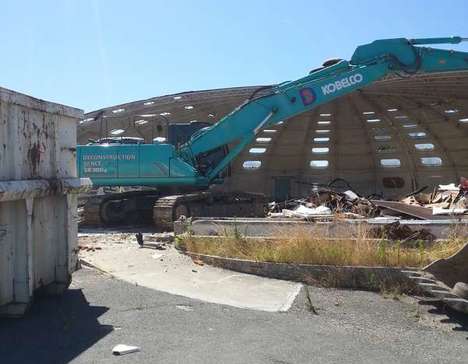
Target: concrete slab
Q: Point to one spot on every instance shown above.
(169, 271)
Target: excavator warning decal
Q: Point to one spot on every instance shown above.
(307, 95)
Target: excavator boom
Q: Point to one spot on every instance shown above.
(369, 63)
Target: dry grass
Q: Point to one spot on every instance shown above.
(301, 246)
(455, 241)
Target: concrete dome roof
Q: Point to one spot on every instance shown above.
(390, 138)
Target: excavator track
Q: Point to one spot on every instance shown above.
(91, 214)
(143, 206)
(207, 204)
(133, 207)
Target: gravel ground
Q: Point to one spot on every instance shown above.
(98, 312)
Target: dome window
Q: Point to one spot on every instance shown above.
(390, 163)
(319, 164)
(251, 164)
(431, 161)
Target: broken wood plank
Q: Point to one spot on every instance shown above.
(419, 212)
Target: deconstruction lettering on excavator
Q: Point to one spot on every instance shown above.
(343, 83)
(114, 156)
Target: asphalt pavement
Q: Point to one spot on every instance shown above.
(168, 270)
(323, 326)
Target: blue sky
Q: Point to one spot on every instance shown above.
(95, 53)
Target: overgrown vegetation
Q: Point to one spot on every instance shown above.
(301, 246)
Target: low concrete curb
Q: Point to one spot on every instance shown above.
(269, 227)
(364, 278)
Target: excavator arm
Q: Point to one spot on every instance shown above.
(369, 63)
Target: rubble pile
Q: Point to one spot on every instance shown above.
(400, 232)
(444, 200)
(325, 202)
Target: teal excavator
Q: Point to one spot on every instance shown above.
(179, 176)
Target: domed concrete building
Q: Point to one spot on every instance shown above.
(388, 139)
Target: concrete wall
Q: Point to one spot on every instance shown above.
(38, 186)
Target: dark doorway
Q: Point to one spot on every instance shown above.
(282, 188)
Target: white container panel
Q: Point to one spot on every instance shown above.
(38, 198)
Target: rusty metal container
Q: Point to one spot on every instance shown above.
(38, 198)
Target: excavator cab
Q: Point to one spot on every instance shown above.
(180, 133)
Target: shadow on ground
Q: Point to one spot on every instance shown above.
(55, 330)
(144, 228)
(458, 320)
(454, 317)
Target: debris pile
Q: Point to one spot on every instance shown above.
(445, 200)
(90, 242)
(89, 248)
(400, 232)
(329, 203)
(325, 202)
